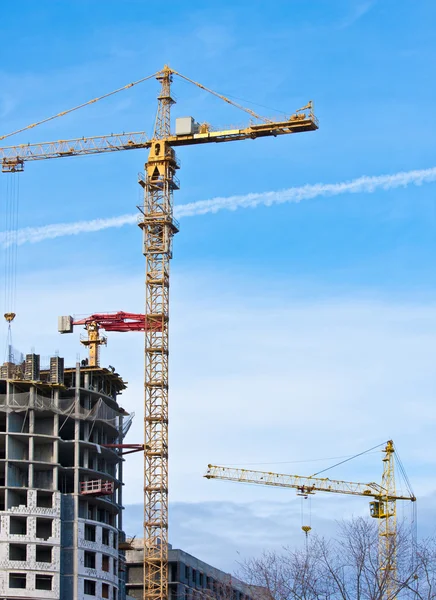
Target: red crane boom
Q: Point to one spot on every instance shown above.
(119, 321)
(116, 321)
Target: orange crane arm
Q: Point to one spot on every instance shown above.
(304, 485)
(13, 157)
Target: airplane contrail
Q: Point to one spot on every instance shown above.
(365, 184)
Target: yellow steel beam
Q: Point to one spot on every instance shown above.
(306, 485)
(11, 156)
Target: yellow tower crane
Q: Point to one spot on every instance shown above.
(382, 507)
(159, 226)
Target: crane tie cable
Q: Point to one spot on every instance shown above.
(348, 459)
(129, 85)
(222, 97)
(285, 462)
(403, 473)
(66, 112)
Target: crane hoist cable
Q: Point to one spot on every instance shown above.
(11, 245)
(10, 252)
(306, 525)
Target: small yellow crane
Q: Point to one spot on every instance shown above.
(382, 507)
(159, 226)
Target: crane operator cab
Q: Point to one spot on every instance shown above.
(377, 509)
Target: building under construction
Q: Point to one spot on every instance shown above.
(61, 481)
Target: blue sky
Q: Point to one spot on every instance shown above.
(293, 324)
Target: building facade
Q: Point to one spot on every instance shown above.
(188, 578)
(61, 482)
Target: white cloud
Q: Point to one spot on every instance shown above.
(258, 377)
(360, 185)
(227, 532)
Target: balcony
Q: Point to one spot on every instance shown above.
(97, 487)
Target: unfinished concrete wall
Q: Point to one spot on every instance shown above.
(30, 547)
(98, 557)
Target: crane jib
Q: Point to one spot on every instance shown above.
(13, 157)
(303, 484)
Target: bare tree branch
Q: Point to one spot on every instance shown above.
(347, 567)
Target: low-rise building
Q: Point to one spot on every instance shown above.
(188, 578)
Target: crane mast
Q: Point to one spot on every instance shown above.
(93, 341)
(385, 510)
(158, 226)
